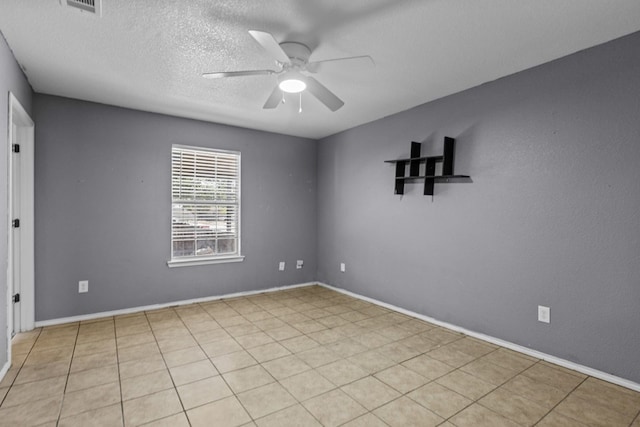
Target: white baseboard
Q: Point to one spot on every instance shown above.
(515, 347)
(497, 341)
(93, 316)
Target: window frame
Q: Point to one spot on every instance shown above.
(212, 259)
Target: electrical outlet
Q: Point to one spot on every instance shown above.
(281, 266)
(343, 267)
(544, 314)
(83, 286)
(299, 264)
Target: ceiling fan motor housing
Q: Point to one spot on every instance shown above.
(298, 53)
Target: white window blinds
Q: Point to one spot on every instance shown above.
(205, 195)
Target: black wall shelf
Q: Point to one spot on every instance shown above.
(429, 176)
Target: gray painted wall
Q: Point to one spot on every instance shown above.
(103, 208)
(11, 80)
(551, 217)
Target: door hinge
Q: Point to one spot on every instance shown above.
(16, 148)
(16, 223)
(16, 298)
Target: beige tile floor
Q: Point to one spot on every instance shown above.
(303, 357)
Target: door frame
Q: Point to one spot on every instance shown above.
(25, 136)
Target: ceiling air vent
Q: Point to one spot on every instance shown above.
(91, 6)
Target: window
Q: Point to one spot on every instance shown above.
(205, 206)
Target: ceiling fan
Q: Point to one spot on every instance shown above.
(292, 61)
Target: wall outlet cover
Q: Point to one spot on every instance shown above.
(343, 267)
(281, 266)
(299, 264)
(544, 314)
(83, 286)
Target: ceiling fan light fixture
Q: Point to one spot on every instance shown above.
(292, 83)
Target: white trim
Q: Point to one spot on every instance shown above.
(4, 370)
(187, 262)
(237, 255)
(9, 279)
(209, 149)
(515, 347)
(24, 123)
(27, 219)
(93, 316)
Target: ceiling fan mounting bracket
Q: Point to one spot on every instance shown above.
(298, 53)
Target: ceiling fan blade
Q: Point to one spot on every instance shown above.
(274, 99)
(270, 44)
(323, 94)
(237, 74)
(364, 61)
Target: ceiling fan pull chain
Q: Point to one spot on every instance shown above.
(300, 109)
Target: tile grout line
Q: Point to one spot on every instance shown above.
(473, 401)
(340, 387)
(20, 368)
(164, 360)
(290, 302)
(115, 334)
(214, 366)
(301, 402)
(199, 345)
(538, 361)
(209, 358)
(298, 402)
(562, 400)
(496, 388)
(175, 387)
(276, 316)
(69, 373)
(459, 368)
(66, 381)
(259, 364)
(434, 380)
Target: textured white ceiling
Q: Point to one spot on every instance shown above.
(150, 54)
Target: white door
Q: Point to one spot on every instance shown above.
(15, 230)
(20, 274)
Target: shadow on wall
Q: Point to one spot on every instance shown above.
(466, 150)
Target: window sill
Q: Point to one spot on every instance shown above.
(195, 261)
